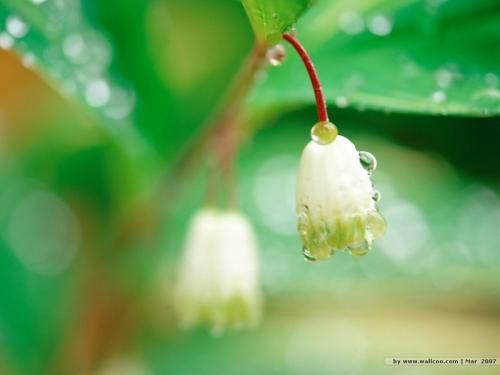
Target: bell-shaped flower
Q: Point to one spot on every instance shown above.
(218, 279)
(336, 201)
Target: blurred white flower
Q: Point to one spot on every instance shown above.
(336, 201)
(218, 281)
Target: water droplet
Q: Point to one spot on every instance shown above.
(341, 101)
(6, 41)
(97, 93)
(28, 60)
(38, 2)
(351, 23)
(45, 244)
(276, 55)
(73, 47)
(439, 96)
(375, 225)
(16, 27)
(444, 77)
(376, 196)
(324, 133)
(380, 25)
(368, 161)
(121, 104)
(307, 255)
(491, 80)
(359, 249)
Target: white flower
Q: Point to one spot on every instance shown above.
(218, 281)
(336, 201)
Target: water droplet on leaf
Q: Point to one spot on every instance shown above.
(380, 25)
(439, 96)
(444, 77)
(16, 27)
(341, 101)
(97, 93)
(6, 41)
(351, 23)
(73, 47)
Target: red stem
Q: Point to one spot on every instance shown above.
(313, 75)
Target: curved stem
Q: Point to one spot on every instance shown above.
(221, 132)
(313, 75)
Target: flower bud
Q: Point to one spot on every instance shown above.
(335, 201)
(218, 280)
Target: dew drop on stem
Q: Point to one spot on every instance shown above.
(276, 55)
(324, 133)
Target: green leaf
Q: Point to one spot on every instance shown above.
(389, 55)
(271, 18)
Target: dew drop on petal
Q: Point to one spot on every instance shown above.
(38, 2)
(97, 93)
(276, 55)
(16, 27)
(324, 133)
(6, 41)
(359, 249)
(307, 255)
(368, 161)
(376, 225)
(380, 25)
(376, 196)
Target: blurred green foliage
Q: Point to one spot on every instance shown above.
(405, 70)
(406, 56)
